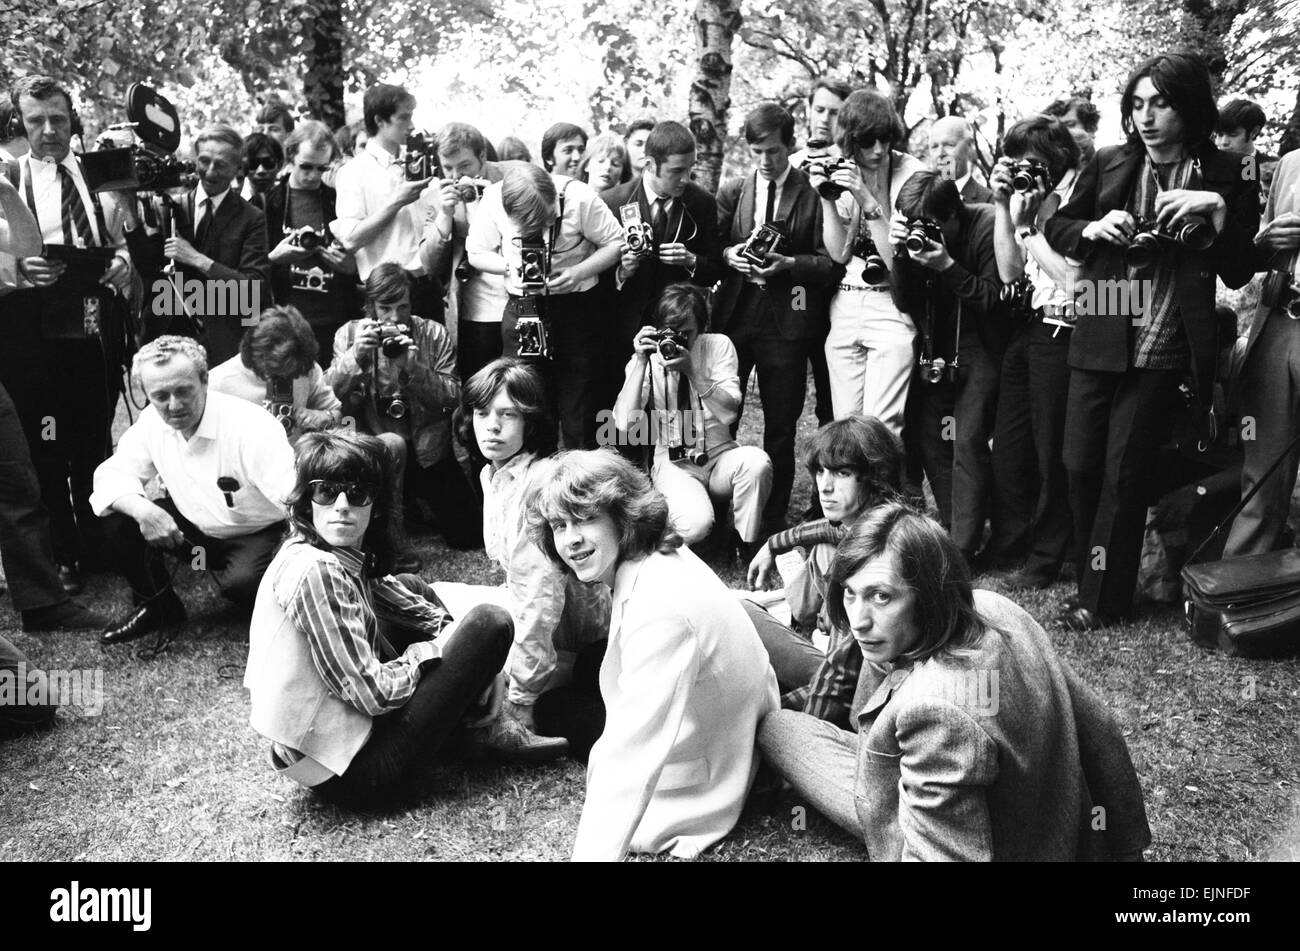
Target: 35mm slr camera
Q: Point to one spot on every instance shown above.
(1194, 233)
(920, 233)
(874, 271)
(672, 343)
(1026, 173)
(308, 238)
(937, 369)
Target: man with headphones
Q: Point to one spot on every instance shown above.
(65, 341)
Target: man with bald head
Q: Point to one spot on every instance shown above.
(950, 148)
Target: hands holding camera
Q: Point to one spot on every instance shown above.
(289, 251)
(776, 263)
(650, 340)
(932, 254)
(1022, 205)
(370, 335)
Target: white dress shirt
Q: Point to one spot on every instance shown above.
(760, 196)
(235, 439)
(365, 185)
(48, 193)
(214, 202)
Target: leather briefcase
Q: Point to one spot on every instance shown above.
(1249, 606)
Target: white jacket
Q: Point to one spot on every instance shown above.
(685, 682)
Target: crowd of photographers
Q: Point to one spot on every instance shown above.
(294, 279)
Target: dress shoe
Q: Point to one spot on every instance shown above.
(1082, 620)
(66, 616)
(70, 578)
(143, 620)
(507, 739)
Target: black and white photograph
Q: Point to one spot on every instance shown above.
(724, 431)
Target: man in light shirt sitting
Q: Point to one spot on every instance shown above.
(227, 468)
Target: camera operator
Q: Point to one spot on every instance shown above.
(227, 468)
(219, 237)
(775, 313)
(682, 222)
(475, 299)
(824, 105)
(686, 381)
(396, 373)
(25, 547)
(870, 348)
(950, 147)
(948, 281)
(1269, 367)
(381, 214)
(309, 268)
(1081, 117)
(1170, 180)
(276, 368)
(1035, 176)
(65, 332)
(569, 237)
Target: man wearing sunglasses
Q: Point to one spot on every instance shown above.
(227, 468)
(309, 267)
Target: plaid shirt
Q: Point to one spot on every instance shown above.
(335, 606)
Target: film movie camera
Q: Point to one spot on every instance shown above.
(149, 164)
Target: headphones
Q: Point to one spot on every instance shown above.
(16, 129)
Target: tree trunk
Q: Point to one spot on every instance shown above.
(716, 23)
(323, 55)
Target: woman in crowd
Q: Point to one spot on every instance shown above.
(355, 676)
(1129, 359)
(504, 422)
(856, 464)
(684, 679)
(974, 741)
(869, 350)
(605, 163)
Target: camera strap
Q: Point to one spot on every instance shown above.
(687, 403)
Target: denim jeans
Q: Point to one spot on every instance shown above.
(418, 731)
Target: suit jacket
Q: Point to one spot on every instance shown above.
(1100, 341)
(973, 280)
(694, 217)
(235, 239)
(686, 682)
(973, 193)
(800, 297)
(956, 765)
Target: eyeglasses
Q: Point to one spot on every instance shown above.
(324, 492)
(267, 163)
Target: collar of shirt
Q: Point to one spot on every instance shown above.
(201, 192)
(761, 183)
(511, 469)
(961, 182)
(353, 560)
(651, 195)
(45, 181)
(380, 154)
(207, 428)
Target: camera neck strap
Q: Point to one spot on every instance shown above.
(687, 403)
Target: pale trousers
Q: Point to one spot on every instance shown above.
(869, 353)
(741, 475)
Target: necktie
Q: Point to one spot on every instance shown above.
(205, 218)
(657, 217)
(771, 203)
(72, 210)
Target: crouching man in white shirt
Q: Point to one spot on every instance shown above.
(226, 467)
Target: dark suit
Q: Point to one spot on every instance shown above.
(949, 423)
(973, 193)
(776, 326)
(693, 221)
(235, 239)
(1119, 415)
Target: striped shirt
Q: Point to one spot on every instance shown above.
(335, 606)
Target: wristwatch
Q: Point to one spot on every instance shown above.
(1027, 233)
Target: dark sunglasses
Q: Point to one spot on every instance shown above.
(267, 163)
(324, 492)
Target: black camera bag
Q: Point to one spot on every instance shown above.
(1248, 606)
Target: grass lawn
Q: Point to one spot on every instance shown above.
(171, 770)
